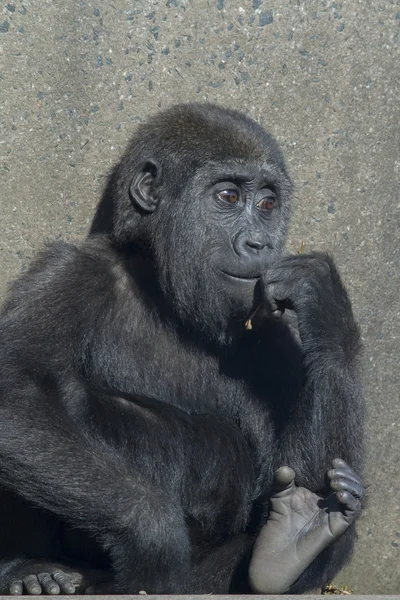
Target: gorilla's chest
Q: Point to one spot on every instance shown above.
(252, 384)
(257, 368)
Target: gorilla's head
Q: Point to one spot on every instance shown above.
(205, 193)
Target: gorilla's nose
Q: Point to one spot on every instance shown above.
(251, 243)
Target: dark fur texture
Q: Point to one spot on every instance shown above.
(136, 412)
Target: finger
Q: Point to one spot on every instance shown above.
(278, 296)
(341, 470)
(50, 586)
(16, 588)
(32, 585)
(350, 502)
(271, 304)
(343, 474)
(339, 463)
(348, 485)
(65, 583)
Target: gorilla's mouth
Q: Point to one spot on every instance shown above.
(247, 278)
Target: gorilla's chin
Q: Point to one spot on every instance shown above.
(241, 288)
(220, 312)
(242, 295)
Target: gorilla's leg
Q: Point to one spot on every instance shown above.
(149, 534)
(300, 525)
(97, 489)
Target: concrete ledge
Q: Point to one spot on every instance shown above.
(208, 596)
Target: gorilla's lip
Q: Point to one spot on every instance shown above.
(242, 277)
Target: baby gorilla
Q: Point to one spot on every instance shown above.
(300, 525)
(126, 359)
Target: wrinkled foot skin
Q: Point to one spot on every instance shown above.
(300, 525)
(53, 579)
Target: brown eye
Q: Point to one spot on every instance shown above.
(267, 203)
(229, 196)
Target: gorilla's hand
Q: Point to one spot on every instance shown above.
(300, 525)
(310, 285)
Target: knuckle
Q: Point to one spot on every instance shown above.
(320, 263)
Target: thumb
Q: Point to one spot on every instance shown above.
(283, 485)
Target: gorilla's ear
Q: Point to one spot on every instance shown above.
(143, 188)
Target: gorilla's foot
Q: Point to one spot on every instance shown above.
(49, 578)
(300, 525)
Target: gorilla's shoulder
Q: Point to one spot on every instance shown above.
(62, 272)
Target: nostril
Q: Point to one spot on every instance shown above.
(257, 245)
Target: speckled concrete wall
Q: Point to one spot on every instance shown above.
(75, 78)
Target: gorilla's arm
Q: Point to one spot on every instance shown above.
(48, 453)
(90, 485)
(331, 410)
(105, 464)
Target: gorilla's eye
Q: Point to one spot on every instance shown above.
(267, 203)
(230, 196)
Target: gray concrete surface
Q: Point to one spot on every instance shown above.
(140, 597)
(323, 76)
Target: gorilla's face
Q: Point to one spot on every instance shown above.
(211, 196)
(215, 241)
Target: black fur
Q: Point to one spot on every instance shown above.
(137, 413)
